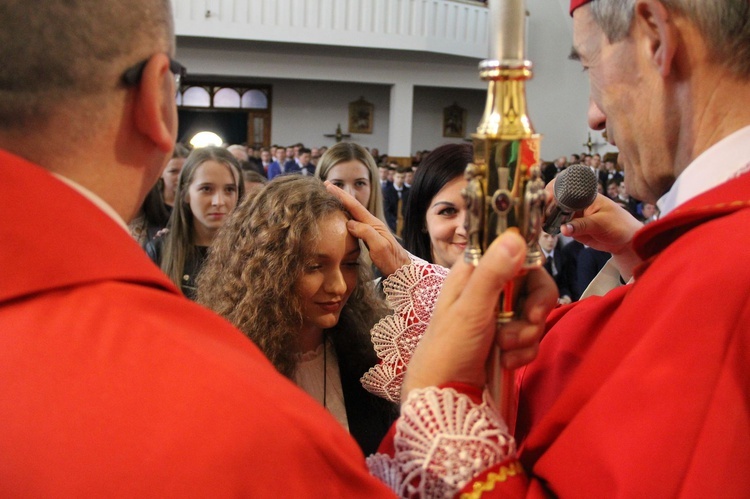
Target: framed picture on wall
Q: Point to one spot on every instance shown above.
(454, 121)
(360, 116)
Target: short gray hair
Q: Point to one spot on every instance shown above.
(57, 50)
(725, 25)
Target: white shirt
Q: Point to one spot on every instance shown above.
(725, 160)
(309, 377)
(550, 257)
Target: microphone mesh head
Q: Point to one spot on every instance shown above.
(575, 187)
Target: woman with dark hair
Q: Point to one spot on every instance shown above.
(171, 174)
(152, 217)
(434, 220)
(286, 272)
(156, 208)
(209, 187)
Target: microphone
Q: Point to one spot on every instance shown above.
(575, 190)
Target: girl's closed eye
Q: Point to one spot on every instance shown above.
(312, 267)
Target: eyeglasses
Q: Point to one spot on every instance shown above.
(133, 74)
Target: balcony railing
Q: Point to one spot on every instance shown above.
(442, 26)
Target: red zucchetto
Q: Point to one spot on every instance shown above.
(574, 4)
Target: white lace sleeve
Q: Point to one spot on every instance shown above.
(443, 440)
(411, 292)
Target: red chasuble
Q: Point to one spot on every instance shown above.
(112, 384)
(645, 392)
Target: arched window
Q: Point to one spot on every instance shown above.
(196, 97)
(254, 99)
(224, 97)
(227, 97)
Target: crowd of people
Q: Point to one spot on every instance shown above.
(113, 383)
(421, 204)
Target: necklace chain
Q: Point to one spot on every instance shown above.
(325, 368)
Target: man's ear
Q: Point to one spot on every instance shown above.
(658, 36)
(155, 114)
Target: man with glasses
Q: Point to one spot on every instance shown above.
(111, 382)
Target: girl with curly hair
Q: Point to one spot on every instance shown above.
(286, 272)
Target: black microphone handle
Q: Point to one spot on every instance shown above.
(556, 219)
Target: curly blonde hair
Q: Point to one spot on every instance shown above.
(257, 259)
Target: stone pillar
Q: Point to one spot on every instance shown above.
(401, 115)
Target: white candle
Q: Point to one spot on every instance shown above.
(508, 24)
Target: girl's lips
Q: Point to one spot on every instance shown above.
(333, 306)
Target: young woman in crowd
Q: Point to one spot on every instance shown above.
(156, 208)
(350, 167)
(171, 175)
(151, 218)
(287, 273)
(434, 220)
(209, 187)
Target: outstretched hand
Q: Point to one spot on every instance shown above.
(385, 252)
(606, 226)
(462, 330)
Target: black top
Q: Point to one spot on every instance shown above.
(154, 249)
(369, 416)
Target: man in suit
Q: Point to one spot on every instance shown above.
(608, 173)
(395, 198)
(557, 265)
(280, 164)
(265, 160)
(383, 176)
(303, 165)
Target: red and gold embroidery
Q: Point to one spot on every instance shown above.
(493, 478)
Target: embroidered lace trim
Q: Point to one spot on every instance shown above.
(443, 439)
(411, 292)
(310, 354)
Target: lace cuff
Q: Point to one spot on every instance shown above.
(411, 292)
(443, 440)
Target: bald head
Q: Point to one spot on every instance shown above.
(59, 51)
(239, 152)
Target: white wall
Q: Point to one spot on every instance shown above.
(558, 93)
(442, 26)
(303, 111)
(429, 103)
(320, 81)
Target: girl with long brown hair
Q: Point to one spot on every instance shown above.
(209, 187)
(287, 273)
